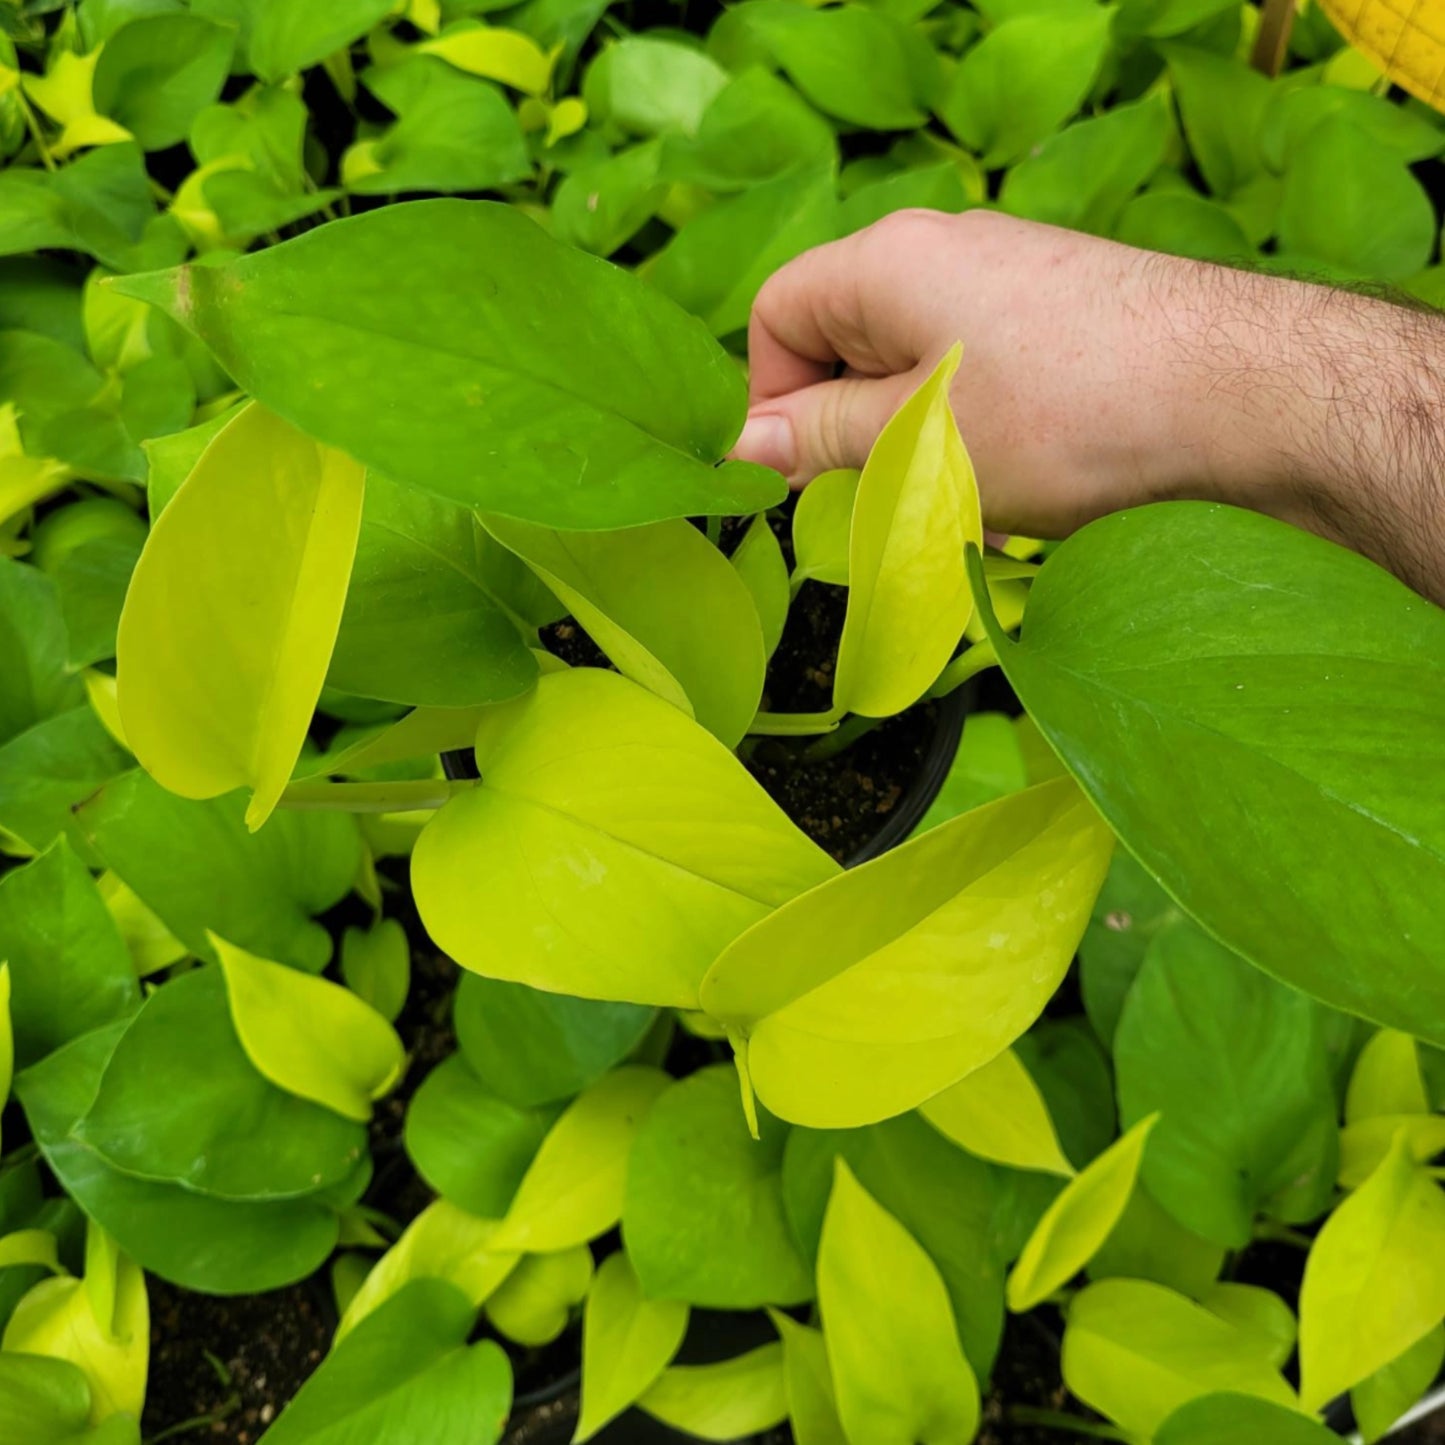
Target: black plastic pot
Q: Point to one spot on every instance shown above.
(461, 765)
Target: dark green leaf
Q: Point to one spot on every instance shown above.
(1073, 1075)
(92, 582)
(35, 682)
(1183, 224)
(1181, 644)
(600, 207)
(1222, 103)
(703, 1219)
(1230, 1419)
(284, 37)
(937, 187)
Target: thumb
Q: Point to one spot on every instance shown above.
(831, 424)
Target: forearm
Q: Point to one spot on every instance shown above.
(1318, 405)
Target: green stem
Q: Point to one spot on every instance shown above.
(224, 1410)
(795, 724)
(835, 742)
(1058, 1420)
(32, 124)
(1281, 1234)
(967, 664)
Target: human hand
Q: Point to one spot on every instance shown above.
(1095, 376)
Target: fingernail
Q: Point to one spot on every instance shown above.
(768, 440)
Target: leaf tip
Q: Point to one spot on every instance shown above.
(739, 1042)
(169, 290)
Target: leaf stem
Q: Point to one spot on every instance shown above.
(1058, 1420)
(32, 124)
(795, 724)
(224, 1410)
(831, 744)
(969, 663)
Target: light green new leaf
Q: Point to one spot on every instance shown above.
(664, 604)
(35, 681)
(309, 1036)
(812, 1400)
(405, 1376)
(1380, 1401)
(1363, 1146)
(703, 1216)
(376, 964)
(1386, 1079)
(898, 1368)
(1078, 1222)
(1177, 644)
(492, 51)
(1227, 1419)
(1136, 1352)
(915, 515)
(442, 1243)
(532, 1306)
(1222, 102)
(574, 1189)
(1258, 1313)
(1374, 1282)
(998, 1113)
(871, 993)
(233, 609)
(492, 401)
(100, 1323)
(759, 562)
(1024, 79)
(724, 1402)
(649, 85)
(612, 850)
(822, 525)
(628, 1340)
(283, 37)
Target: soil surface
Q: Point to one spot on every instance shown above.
(230, 1364)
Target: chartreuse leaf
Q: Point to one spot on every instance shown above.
(100, 1323)
(492, 51)
(591, 777)
(628, 1340)
(263, 529)
(822, 525)
(43, 1400)
(1381, 1400)
(180, 1102)
(442, 1243)
(1258, 1313)
(873, 992)
(533, 1304)
(1364, 1144)
(1235, 1064)
(492, 402)
(703, 1216)
(68, 966)
(309, 1036)
(1078, 1222)
(898, 1369)
(199, 868)
(650, 86)
(574, 1189)
(195, 1240)
(664, 604)
(1227, 1419)
(376, 964)
(405, 1375)
(914, 517)
(1136, 1352)
(1386, 1079)
(759, 562)
(1321, 719)
(812, 1400)
(726, 1401)
(1374, 1282)
(998, 1113)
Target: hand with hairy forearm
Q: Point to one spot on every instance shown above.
(1096, 376)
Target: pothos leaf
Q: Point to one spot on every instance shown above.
(723, 1402)
(533, 1304)
(233, 610)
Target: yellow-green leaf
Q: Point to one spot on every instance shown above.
(998, 1113)
(376, 964)
(612, 849)
(151, 944)
(509, 56)
(7, 1036)
(628, 1340)
(898, 1368)
(664, 604)
(1364, 1145)
(1259, 1314)
(812, 1401)
(865, 996)
(1136, 1352)
(233, 610)
(101, 1324)
(442, 1242)
(533, 1304)
(1078, 1222)
(822, 525)
(309, 1036)
(66, 93)
(1386, 1079)
(29, 1246)
(1375, 1279)
(1380, 1401)
(726, 1402)
(574, 1188)
(915, 514)
(759, 562)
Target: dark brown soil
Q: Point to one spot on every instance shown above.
(230, 1364)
